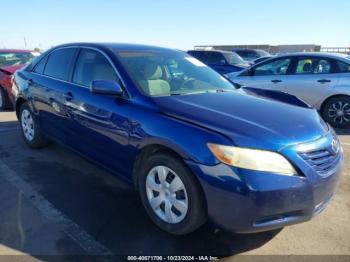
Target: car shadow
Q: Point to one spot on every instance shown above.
(112, 213)
(344, 131)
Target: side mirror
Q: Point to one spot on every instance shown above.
(106, 87)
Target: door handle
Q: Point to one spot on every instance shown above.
(30, 81)
(68, 96)
(275, 81)
(322, 81)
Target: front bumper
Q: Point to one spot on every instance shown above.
(245, 201)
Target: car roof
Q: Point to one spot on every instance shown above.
(317, 54)
(116, 46)
(15, 51)
(217, 51)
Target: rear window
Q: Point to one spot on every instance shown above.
(343, 67)
(59, 63)
(39, 68)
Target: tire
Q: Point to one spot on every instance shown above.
(183, 222)
(30, 128)
(4, 99)
(336, 111)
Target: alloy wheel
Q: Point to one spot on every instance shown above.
(339, 112)
(166, 194)
(27, 123)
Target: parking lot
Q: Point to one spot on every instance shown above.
(55, 202)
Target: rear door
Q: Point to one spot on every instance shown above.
(312, 78)
(48, 86)
(272, 74)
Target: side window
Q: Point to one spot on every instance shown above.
(276, 67)
(197, 55)
(323, 67)
(311, 65)
(343, 67)
(59, 63)
(215, 58)
(92, 65)
(39, 68)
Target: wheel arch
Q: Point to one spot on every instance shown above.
(329, 98)
(150, 149)
(19, 102)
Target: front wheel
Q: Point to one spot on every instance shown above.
(336, 111)
(30, 128)
(171, 195)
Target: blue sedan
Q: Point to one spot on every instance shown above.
(196, 148)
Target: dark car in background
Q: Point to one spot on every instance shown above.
(250, 55)
(10, 61)
(261, 59)
(195, 147)
(224, 62)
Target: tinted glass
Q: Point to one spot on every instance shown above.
(312, 65)
(247, 54)
(233, 59)
(213, 58)
(164, 73)
(343, 67)
(276, 67)
(59, 63)
(197, 55)
(92, 65)
(39, 68)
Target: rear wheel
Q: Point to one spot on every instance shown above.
(30, 128)
(171, 195)
(4, 99)
(336, 111)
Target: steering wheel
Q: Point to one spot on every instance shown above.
(186, 82)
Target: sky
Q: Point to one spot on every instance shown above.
(175, 24)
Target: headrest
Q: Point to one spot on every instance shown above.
(152, 72)
(307, 67)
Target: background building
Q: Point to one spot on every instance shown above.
(276, 49)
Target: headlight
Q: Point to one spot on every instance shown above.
(253, 159)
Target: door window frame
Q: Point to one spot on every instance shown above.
(73, 65)
(331, 61)
(288, 72)
(120, 79)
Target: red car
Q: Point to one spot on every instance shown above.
(10, 61)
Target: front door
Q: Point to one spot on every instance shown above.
(99, 123)
(272, 75)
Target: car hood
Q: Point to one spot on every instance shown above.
(11, 69)
(249, 121)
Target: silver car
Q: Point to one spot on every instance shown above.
(322, 80)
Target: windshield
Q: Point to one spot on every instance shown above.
(233, 58)
(262, 53)
(164, 73)
(13, 59)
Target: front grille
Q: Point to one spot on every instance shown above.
(323, 161)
